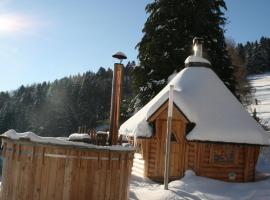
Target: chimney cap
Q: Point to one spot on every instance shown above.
(197, 59)
(198, 40)
(119, 55)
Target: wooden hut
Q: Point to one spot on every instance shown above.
(212, 133)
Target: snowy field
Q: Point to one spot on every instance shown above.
(193, 187)
(261, 85)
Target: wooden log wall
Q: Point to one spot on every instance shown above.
(42, 172)
(198, 157)
(228, 162)
(209, 160)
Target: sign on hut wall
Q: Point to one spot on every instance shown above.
(222, 154)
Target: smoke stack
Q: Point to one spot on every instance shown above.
(116, 98)
(196, 60)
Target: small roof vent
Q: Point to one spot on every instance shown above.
(197, 60)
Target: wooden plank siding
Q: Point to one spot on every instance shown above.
(223, 161)
(45, 171)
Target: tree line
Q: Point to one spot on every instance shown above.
(60, 107)
(256, 55)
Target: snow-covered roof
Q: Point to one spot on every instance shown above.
(196, 59)
(206, 101)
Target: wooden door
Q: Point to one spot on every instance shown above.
(156, 152)
(177, 149)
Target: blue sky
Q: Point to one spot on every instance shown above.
(45, 40)
(248, 20)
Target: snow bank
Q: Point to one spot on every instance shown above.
(207, 102)
(194, 188)
(12, 134)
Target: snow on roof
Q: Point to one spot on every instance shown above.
(196, 59)
(205, 100)
(12, 134)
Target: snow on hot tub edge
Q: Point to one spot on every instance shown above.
(12, 134)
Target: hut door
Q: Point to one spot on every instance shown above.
(177, 148)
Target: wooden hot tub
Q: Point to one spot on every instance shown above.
(42, 171)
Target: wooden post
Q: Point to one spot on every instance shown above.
(168, 140)
(115, 103)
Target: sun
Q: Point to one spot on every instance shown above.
(14, 23)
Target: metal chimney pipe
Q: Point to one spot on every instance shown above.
(197, 46)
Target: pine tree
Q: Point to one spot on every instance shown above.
(167, 41)
(127, 92)
(257, 55)
(257, 58)
(237, 56)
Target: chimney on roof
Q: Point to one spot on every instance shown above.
(197, 60)
(197, 46)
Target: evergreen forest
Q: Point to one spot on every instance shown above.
(256, 55)
(60, 107)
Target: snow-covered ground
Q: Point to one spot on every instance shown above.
(197, 188)
(193, 187)
(261, 85)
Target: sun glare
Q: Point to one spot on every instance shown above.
(14, 24)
